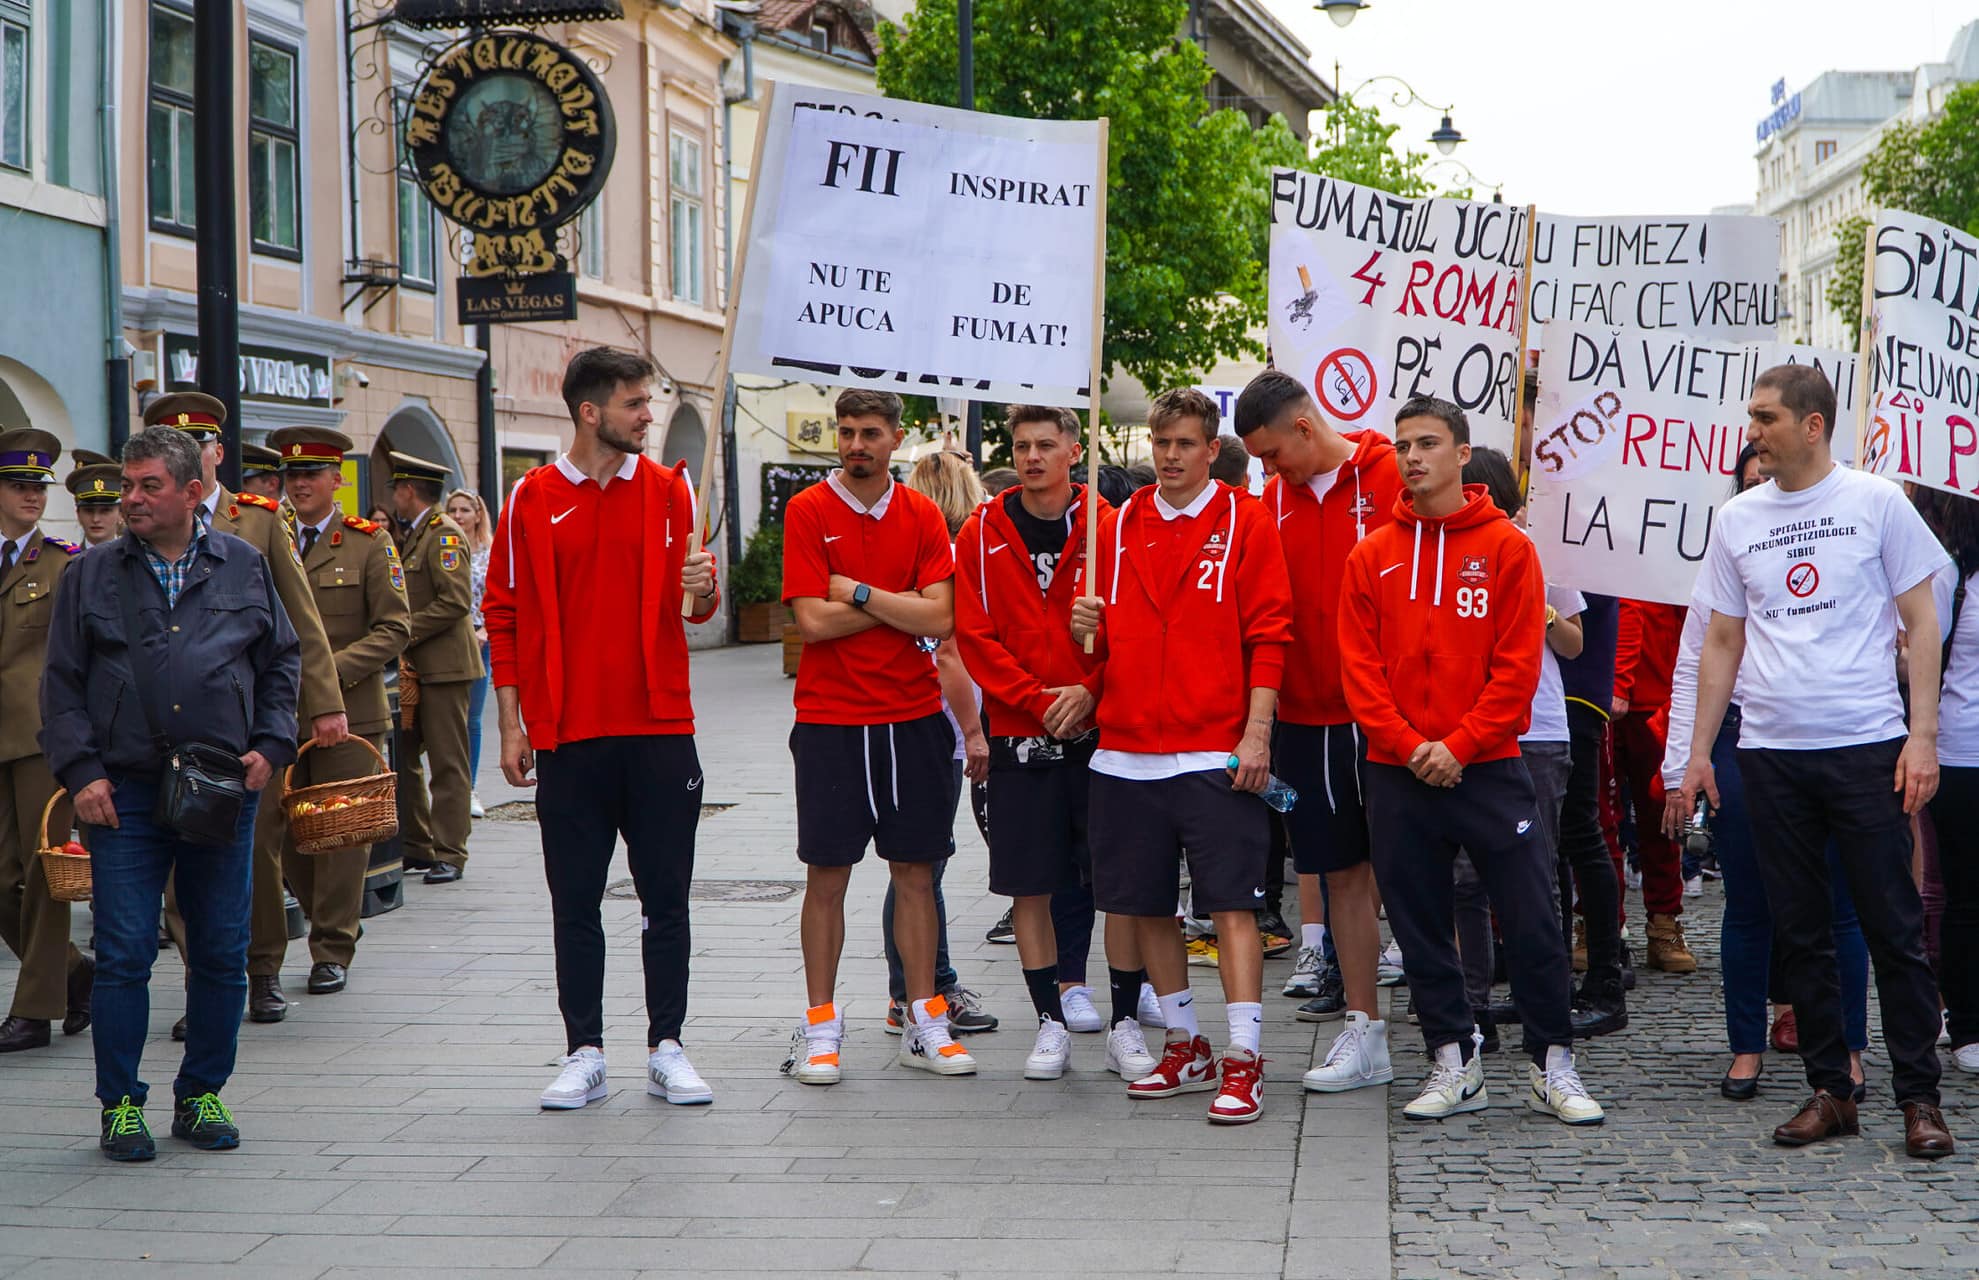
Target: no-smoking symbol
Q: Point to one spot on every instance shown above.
(1345, 383)
(1802, 579)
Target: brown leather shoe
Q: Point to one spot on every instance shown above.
(265, 1001)
(1668, 950)
(1786, 1032)
(1821, 1116)
(17, 1034)
(1924, 1132)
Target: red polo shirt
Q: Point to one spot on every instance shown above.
(879, 676)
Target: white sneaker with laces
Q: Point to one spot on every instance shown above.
(1557, 1091)
(1304, 981)
(671, 1076)
(1358, 1058)
(1127, 1053)
(927, 1045)
(1149, 1011)
(1388, 973)
(813, 1056)
(580, 1081)
(1453, 1086)
(1966, 1057)
(1079, 1012)
(1051, 1054)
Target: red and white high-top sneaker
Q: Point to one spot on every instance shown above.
(1241, 1100)
(1186, 1066)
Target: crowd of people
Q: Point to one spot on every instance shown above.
(1364, 669)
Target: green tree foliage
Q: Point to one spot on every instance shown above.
(1931, 170)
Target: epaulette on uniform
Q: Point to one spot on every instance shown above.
(70, 547)
(362, 525)
(256, 500)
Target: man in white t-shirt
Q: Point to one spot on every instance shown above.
(1806, 579)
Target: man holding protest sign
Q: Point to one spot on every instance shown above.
(869, 572)
(1814, 572)
(1440, 660)
(1191, 622)
(1328, 491)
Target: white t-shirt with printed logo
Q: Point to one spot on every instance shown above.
(1815, 574)
(1549, 701)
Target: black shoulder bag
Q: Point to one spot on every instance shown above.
(203, 788)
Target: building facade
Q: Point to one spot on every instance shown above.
(1810, 156)
(1258, 66)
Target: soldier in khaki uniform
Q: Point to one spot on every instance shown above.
(261, 472)
(54, 980)
(257, 521)
(353, 567)
(97, 485)
(445, 662)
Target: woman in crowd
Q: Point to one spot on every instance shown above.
(465, 508)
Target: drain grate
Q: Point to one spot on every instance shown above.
(721, 890)
(525, 811)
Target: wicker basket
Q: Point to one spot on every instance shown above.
(371, 815)
(408, 696)
(69, 878)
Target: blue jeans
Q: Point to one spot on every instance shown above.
(1745, 938)
(945, 977)
(477, 700)
(131, 863)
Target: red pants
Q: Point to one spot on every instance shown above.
(1638, 763)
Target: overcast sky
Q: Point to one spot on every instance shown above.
(1606, 107)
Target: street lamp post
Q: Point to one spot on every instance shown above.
(213, 211)
(1446, 136)
(1341, 11)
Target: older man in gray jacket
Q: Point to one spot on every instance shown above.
(214, 662)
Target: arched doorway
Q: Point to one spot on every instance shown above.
(412, 428)
(687, 438)
(26, 400)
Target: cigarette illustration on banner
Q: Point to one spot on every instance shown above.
(1299, 312)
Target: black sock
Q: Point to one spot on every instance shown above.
(1126, 984)
(1044, 993)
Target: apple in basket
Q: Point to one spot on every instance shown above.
(74, 849)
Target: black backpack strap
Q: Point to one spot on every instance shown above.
(1951, 628)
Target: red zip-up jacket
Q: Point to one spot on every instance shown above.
(1179, 658)
(1646, 652)
(1016, 640)
(1441, 623)
(1317, 534)
(526, 629)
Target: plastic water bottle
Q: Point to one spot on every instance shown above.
(1277, 793)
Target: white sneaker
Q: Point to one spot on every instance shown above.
(1452, 1087)
(1304, 981)
(1694, 887)
(580, 1082)
(1557, 1091)
(1127, 1053)
(1148, 1013)
(1358, 1058)
(927, 1046)
(671, 1076)
(474, 809)
(1079, 1012)
(1051, 1054)
(813, 1056)
(1945, 1030)
(1966, 1057)
(1388, 973)
(1633, 877)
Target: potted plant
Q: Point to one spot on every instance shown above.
(756, 582)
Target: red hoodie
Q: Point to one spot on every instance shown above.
(1016, 640)
(1646, 653)
(1186, 636)
(1317, 534)
(1441, 623)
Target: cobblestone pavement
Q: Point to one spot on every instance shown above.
(1678, 1182)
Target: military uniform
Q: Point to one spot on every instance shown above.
(353, 569)
(97, 484)
(445, 660)
(261, 473)
(54, 978)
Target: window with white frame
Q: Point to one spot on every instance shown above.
(591, 240)
(272, 138)
(13, 84)
(685, 216)
(168, 125)
(415, 219)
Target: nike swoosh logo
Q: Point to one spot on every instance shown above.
(559, 519)
(998, 547)
(833, 537)
(1390, 569)
(695, 785)
(1471, 1092)
(1525, 826)
(1287, 516)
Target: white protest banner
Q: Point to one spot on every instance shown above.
(1924, 375)
(1840, 368)
(1713, 276)
(1375, 298)
(1636, 438)
(922, 249)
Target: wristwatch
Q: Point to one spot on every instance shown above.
(1552, 616)
(861, 594)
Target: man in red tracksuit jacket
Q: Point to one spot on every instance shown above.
(1192, 620)
(1020, 561)
(1442, 616)
(1328, 492)
(1645, 660)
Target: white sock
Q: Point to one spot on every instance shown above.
(1179, 1012)
(1313, 936)
(1450, 1055)
(1558, 1056)
(1246, 1024)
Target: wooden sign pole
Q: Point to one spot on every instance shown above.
(1866, 348)
(1092, 387)
(705, 483)
(1521, 433)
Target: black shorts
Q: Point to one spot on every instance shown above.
(1325, 764)
(1141, 830)
(1036, 820)
(888, 784)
